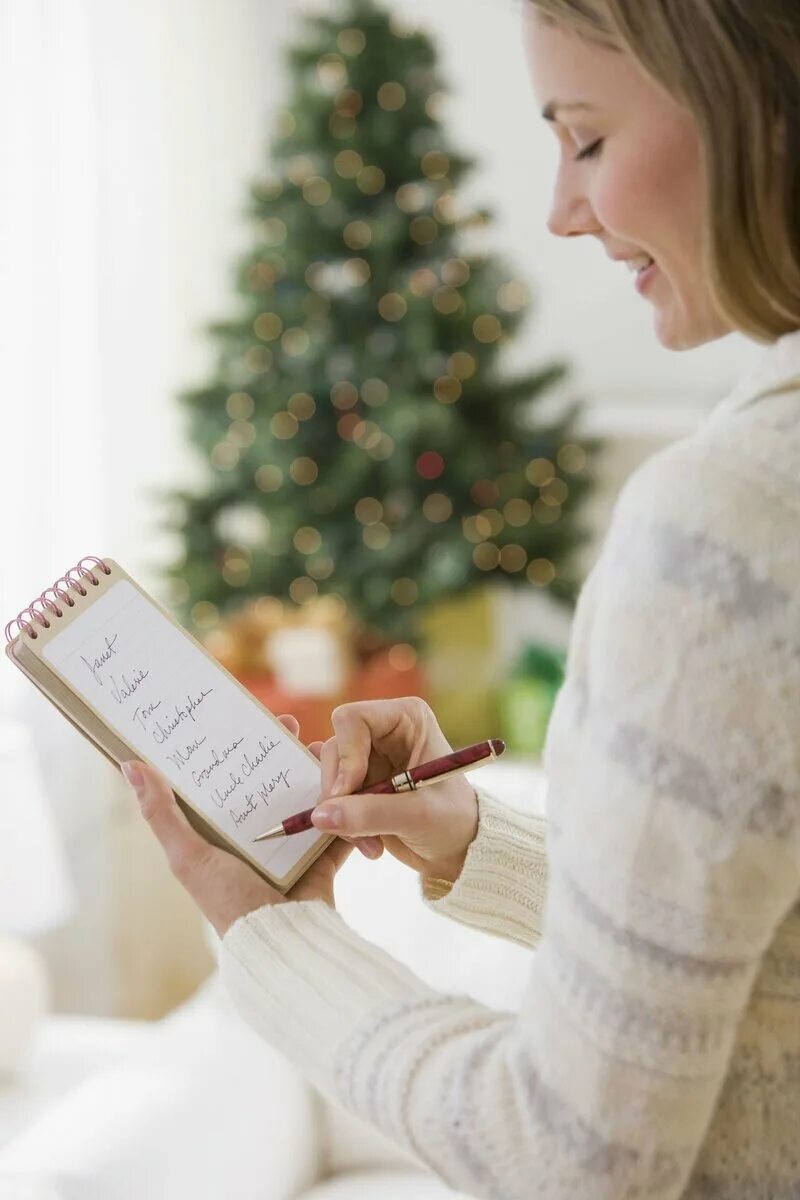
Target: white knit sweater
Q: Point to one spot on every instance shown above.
(656, 1053)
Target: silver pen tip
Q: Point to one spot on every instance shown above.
(271, 833)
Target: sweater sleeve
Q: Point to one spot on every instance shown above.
(503, 884)
(673, 761)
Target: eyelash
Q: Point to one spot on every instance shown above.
(589, 151)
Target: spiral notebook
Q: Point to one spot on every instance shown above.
(137, 685)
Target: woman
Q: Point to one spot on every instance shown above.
(656, 1054)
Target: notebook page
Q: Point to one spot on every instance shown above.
(152, 685)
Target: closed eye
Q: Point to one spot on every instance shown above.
(589, 151)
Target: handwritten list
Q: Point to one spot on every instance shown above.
(152, 685)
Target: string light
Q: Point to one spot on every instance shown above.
(391, 96)
(348, 163)
(486, 328)
(283, 425)
(446, 389)
(368, 510)
(374, 392)
(224, 455)
(316, 191)
(486, 556)
(455, 272)
(357, 235)
(435, 164)
(301, 405)
(284, 126)
(437, 507)
(423, 230)
(517, 512)
(513, 295)
(351, 41)
(348, 103)
(307, 539)
(513, 558)
(295, 341)
(240, 406)
(404, 590)
(268, 477)
(300, 168)
(541, 571)
(268, 326)
(462, 365)
(539, 472)
(430, 465)
(371, 180)
(331, 71)
(204, 614)
(410, 197)
(303, 471)
(257, 359)
(571, 458)
(344, 395)
(377, 536)
(392, 307)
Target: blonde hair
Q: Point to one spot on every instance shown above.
(735, 65)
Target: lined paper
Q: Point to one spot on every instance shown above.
(151, 684)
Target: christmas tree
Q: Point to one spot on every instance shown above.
(360, 435)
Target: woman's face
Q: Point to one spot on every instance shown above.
(640, 191)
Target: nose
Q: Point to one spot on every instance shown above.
(571, 212)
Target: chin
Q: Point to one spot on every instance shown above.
(686, 334)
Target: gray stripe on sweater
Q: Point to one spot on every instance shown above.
(711, 968)
(692, 560)
(640, 1026)
(764, 806)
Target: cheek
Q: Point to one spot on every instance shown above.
(653, 197)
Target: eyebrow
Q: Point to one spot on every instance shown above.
(549, 111)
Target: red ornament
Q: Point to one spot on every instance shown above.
(430, 465)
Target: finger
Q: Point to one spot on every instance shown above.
(186, 850)
(359, 725)
(315, 748)
(366, 815)
(329, 761)
(291, 723)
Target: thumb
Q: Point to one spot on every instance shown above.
(371, 815)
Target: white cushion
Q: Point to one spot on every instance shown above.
(383, 1185)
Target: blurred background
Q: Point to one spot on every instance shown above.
(284, 332)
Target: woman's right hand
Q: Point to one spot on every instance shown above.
(429, 829)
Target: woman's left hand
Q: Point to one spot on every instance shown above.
(222, 885)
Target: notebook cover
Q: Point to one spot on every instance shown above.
(26, 655)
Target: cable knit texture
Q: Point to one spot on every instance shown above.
(656, 1053)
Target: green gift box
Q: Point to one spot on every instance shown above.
(526, 700)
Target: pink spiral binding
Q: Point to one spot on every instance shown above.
(72, 579)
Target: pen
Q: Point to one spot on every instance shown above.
(405, 781)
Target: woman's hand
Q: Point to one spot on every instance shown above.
(222, 885)
(430, 829)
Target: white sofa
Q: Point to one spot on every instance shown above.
(203, 1109)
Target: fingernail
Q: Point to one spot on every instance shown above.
(338, 785)
(327, 815)
(133, 774)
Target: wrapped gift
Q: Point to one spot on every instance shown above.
(526, 699)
